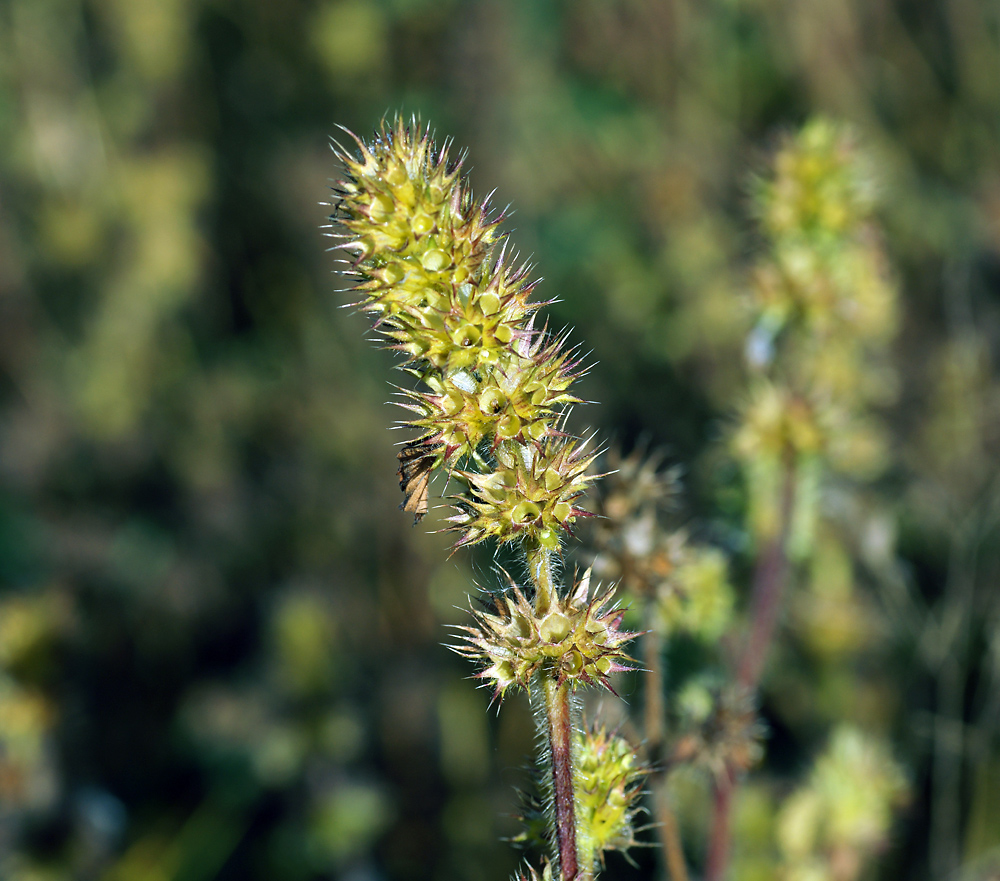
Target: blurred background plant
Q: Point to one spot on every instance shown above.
(219, 640)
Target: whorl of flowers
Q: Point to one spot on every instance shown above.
(438, 278)
(722, 730)
(578, 639)
(844, 812)
(684, 585)
(608, 790)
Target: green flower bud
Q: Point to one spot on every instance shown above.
(434, 260)
(422, 224)
(608, 789)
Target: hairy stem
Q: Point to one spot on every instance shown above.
(559, 734)
(540, 562)
(765, 606)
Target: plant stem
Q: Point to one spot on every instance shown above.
(765, 605)
(652, 651)
(540, 563)
(670, 834)
(655, 713)
(718, 845)
(768, 588)
(559, 733)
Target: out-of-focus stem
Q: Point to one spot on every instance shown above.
(559, 733)
(768, 589)
(718, 844)
(666, 821)
(670, 833)
(765, 606)
(652, 652)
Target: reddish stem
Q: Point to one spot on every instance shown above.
(560, 737)
(718, 845)
(768, 589)
(765, 607)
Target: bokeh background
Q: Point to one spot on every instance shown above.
(220, 642)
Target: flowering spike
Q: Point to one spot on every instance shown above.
(445, 291)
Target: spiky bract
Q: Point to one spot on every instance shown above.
(529, 873)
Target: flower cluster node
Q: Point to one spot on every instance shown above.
(723, 732)
(576, 639)
(530, 496)
(684, 586)
(843, 813)
(778, 423)
(822, 187)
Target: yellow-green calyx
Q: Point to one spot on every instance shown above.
(435, 274)
(608, 790)
(576, 639)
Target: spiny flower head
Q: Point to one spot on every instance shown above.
(607, 791)
(519, 399)
(578, 638)
(777, 422)
(530, 496)
(412, 222)
(632, 546)
(846, 807)
(429, 261)
(465, 327)
(637, 483)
